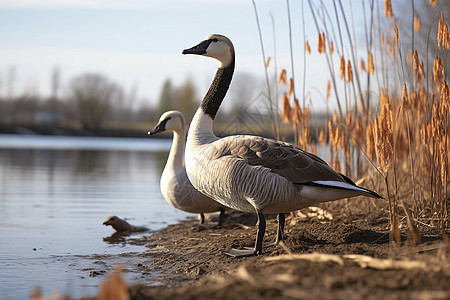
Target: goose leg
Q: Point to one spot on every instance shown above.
(222, 213)
(202, 218)
(258, 243)
(280, 231)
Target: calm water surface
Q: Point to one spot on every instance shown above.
(55, 193)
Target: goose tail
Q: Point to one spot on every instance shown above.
(343, 186)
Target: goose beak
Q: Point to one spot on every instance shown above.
(155, 130)
(105, 223)
(199, 49)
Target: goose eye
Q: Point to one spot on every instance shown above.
(215, 40)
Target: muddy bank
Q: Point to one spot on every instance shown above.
(349, 256)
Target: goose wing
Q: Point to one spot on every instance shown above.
(284, 159)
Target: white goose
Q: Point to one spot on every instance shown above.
(251, 173)
(174, 183)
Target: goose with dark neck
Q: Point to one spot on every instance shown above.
(251, 173)
(174, 183)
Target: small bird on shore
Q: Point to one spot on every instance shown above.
(175, 185)
(121, 225)
(252, 173)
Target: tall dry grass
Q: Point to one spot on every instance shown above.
(391, 126)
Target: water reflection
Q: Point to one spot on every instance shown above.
(117, 238)
(55, 201)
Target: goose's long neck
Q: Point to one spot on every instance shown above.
(219, 87)
(176, 155)
(201, 130)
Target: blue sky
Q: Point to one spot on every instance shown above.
(138, 43)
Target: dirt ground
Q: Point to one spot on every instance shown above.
(349, 256)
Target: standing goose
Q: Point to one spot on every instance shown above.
(251, 173)
(174, 183)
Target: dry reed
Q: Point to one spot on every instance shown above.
(406, 136)
(307, 47)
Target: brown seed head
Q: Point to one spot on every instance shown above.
(438, 70)
(337, 137)
(349, 120)
(322, 139)
(424, 133)
(371, 66)
(291, 87)
(363, 66)
(440, 30)
(433, 2)
(416, 23)
(307, 48)
(415, 62)
(388, 9)
(267, 62)
(337, 164)
(370, 146)
(446, 37)
(331, 132)
(443, 36)
(421, 69)
(321, 43)
(282, 77)
(331, 48)
(342, 67)
(335, 117)
(328, 89)
(286, 110)
(349, 74)
(382, 40)
(383, 136)
(384, 98)
(405, 101)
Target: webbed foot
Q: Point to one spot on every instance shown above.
(241, 252)
(264, 246)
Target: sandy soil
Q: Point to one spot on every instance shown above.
(349, 257)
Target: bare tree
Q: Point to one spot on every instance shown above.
(94, 96)
(166, 99)
(183, 98)
(186, 99)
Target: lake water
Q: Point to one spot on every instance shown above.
(55, 193)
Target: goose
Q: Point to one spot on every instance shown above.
(251, 173)
(121, 225)
(175, 185)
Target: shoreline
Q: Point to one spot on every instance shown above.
(319, 258)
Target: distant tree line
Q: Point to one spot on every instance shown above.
(92, 101)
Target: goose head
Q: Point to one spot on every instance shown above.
(216, 46)
(171, 120)
(111, 220)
